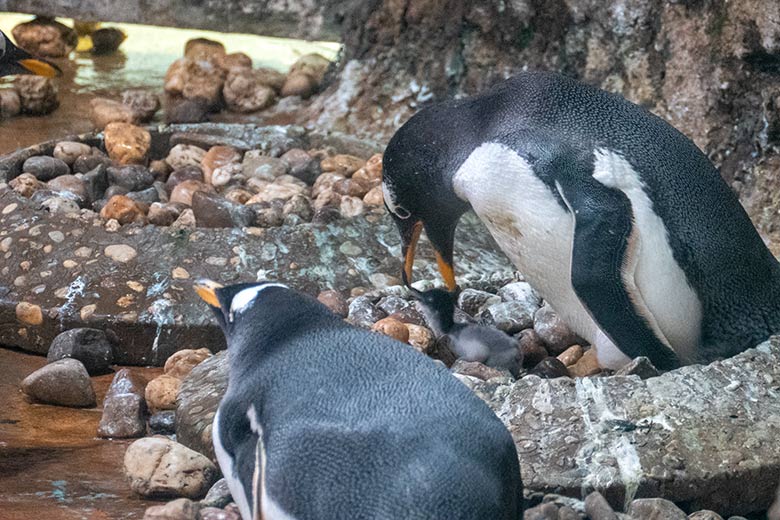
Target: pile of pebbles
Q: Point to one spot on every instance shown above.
(548, 347)
(207, 80)
(199, 185)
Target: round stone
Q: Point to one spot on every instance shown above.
(120, 253)
(29, 313)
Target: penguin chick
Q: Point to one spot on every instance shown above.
(468, 341)
(323, 420)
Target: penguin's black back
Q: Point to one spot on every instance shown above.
(357, 425)
(547, 116)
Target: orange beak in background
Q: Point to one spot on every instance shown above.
(207, 290)
(40, 67)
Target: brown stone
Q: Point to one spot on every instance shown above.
(126, 143)
(275, 191)
(531, 348)
(374, 197)
(587, 365)
(315, 65)
(45, 37)
(271, 77)
(37, 94)
(550, 368)
(476, 369)
(10, 103)
(238, 195)
(183, 155)
(234, 60)
(25, 184)
(182, 193)
(334, 301)
(571, 355)
(162, 214)
(69, 151)
(299, 84)
(421, 338)
(325, 182)
(161, 392)
(217, 157)
(123, 209)
(393, 328)
(29, 313)
(182, 362)
(351, 207)
(342, 164)
(350, 187)
(203, 49)
(105, 111)
(179, 509)
(143, 103)
(244, 91)
(196, 79)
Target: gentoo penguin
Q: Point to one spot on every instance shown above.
(325, 420)
(614, 217)
(467, 340)
(14, 60)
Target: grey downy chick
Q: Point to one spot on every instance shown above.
(468, 341)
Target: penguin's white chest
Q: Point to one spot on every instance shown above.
(536, 233)
(528, 223)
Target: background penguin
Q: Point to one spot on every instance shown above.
(614, 217)
(325, 420)
(14, 60)
(468, 341)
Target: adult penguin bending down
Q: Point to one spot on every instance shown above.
(14, 60)
(615, 217)
(322, 420)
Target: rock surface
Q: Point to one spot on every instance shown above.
(90, 346)
(64, 382)
(124, 408)
(159, 467)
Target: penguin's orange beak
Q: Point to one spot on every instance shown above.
(410, 234)
(40, 67)
(207, 290)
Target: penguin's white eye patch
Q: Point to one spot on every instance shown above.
(244, 299)
(390, 200)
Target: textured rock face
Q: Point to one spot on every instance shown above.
(709, 67)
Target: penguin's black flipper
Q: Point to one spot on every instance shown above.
(601, 253)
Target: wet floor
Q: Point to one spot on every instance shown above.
(51, 464)
(141, 62)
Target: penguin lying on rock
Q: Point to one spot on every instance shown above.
(468, 341)
(325, 420)
(14, 60)
(614, 217)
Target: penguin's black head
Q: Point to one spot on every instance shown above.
(417, 170)
(14, 60)
(438, 306)
(230, 303)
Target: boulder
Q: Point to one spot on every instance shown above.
(64, 382)
(89, 346)
(158, 467)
